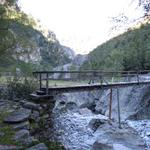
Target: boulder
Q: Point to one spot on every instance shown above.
(32, 106)
(96, 123)
(40, 146)
(102, 146)
(18, 116)
(112, 138)
(22, 134)
(134, 102)
(8, 147)
(85, 111)
(84, 99)
(22, 125)
(120, 147)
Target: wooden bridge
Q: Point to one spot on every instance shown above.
(54, 82)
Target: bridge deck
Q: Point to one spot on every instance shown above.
(89, 87)
(78, 80)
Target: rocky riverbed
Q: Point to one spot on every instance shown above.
(83, 130)
(80, 124)
(79, 121)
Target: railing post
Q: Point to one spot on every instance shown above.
(112, 79)
(40, 80)
(110, 104)
(138, 80)
(47, 86)
(118, 105)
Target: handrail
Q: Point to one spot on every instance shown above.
(91, 71)
(91, 74)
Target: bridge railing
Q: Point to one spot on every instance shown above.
(72, 78)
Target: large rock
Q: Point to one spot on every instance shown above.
(23, 137)
(110, 137)
(95, 123)
(32, 106)
(120, 147)
(8, 147)
(22, 125)
(40, 146)
(18, 116)
(22, 134)
(81, 99)
(102, 146)
(134, 102)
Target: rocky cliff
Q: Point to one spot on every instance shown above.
(25, 45)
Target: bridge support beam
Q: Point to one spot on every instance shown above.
(118, 107)
(40, 80)
(110, 104)
(47, 83)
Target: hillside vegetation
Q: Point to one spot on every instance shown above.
(129, 51)
(24, 45)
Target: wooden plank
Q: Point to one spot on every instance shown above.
(89, 87)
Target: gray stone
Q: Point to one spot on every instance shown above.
(81, 99)
(71, 106)
(2, 103)
(40, 146)
(96, 123)
(112, 138)
(23, 137)
(102, 146)
(85, 111)
(30, 105)
(28, 141)
(8, 147)
(35, 116)
(134, 102)
(22, 134)
(22, 125)
(18, 116)
(120, 147)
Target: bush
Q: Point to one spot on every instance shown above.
(20, 87)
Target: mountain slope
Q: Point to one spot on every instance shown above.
(129, 51)
(25, 45)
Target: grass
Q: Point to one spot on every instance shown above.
(54, 146)
(3, 115)
(66, 83)
(8, 132)
(7, 138)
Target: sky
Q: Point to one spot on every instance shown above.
(79, 24)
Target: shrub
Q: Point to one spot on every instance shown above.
(20, 87)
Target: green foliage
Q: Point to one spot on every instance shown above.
(129, 51)
(20, 87)
(2, 116)
(11, 2)
(24, 47)
(54, 145)
(6, 130)
(8, 135)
